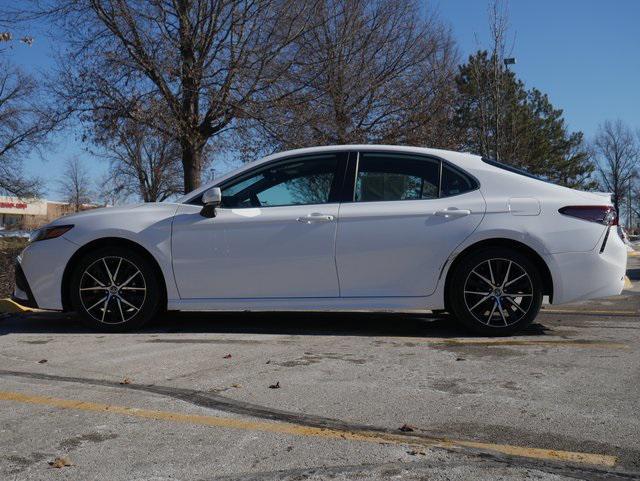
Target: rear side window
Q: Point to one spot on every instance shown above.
(387, 177)
(455, 182)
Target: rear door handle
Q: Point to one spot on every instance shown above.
(453, 212)
(315, 217)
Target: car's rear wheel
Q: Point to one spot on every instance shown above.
(115, 289)
(495, 291)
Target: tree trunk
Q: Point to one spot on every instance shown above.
(190, 165)
(189, 99)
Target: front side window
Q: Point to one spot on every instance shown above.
(307, 180)
(387, 177)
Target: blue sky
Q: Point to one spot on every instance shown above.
(583, 53)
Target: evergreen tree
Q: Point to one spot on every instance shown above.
(498, 118)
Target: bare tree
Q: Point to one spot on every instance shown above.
(25, 118)
(144, 162)
(110, 192)
(74, 185)
(205, 61)
(25, 123)
(492, 88)
(634, 203)
(617, 154)
(498, 26)
(366, 70)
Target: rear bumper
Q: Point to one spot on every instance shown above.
(589, 275)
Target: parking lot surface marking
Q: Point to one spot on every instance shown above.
(9, 306)
(297, 430)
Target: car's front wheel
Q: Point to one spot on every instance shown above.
(114, 289)
(495, 291)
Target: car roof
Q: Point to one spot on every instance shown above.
(459, 158)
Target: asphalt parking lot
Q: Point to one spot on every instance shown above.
(194, 397)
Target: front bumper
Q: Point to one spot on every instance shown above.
(22, 292)
(589, 275)
(40, 267)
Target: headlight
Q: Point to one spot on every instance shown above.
(49, 232)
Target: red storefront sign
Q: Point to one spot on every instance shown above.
(12, 205)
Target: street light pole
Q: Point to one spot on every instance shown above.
(507, 61)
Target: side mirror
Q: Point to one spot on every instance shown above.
(211, 199)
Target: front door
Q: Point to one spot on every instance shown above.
(273, 236)
(408, 214)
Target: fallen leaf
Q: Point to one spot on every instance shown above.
(460, 359)
(405, 428)
(126, 380)
(60, 462)
(275, 386)
(413, 452)
(228, 356)
(268, 361)
(237, 386)
(42, 361)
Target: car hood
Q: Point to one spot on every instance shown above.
(122, 212)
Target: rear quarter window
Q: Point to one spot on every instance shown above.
(455, 182)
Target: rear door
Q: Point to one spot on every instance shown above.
(407, 214)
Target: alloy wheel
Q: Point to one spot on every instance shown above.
(498, 292)
(112, 290)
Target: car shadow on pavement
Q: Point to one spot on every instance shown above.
(289, 323)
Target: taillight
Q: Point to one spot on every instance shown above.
(602, 214)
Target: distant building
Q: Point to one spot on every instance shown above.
(27, 214)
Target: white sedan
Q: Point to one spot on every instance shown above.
(341, 228)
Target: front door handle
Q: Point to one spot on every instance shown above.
(315, 217)
(447, 213)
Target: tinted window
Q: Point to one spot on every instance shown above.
(383, 177)
(454, 182)
(303, 181)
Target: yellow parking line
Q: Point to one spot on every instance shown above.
(627, 283)
(297, 430)
(11, 307)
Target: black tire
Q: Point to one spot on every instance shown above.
(512, 304)
(125, 308)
